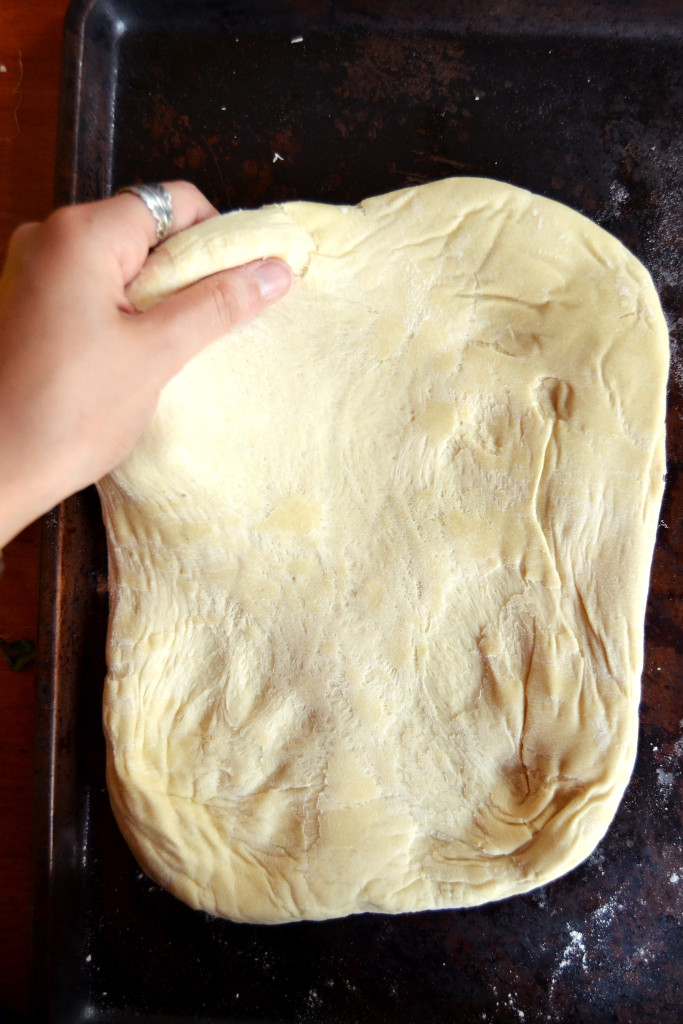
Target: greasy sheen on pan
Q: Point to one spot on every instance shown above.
(378, 568)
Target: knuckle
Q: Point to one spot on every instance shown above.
(70, 232)
(230, 303)
(63, 220)
(60, 229)
(69, 222)
(25, 232)
(23, 236)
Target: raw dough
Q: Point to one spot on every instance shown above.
(379, 566)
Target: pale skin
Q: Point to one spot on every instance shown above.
(80, 371)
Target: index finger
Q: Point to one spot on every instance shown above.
(190, 207)
(125, 226)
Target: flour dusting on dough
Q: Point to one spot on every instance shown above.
(378, 567)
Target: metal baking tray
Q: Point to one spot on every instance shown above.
(264, 100)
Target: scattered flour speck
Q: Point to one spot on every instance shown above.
(618, 196)
(573, 955)
(665, 781)
(604, 914)
(576, 946)
(314, 998)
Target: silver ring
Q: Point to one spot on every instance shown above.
(158, 201)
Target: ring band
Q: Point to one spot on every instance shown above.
(157, 199)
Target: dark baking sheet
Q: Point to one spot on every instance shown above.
(583, 105)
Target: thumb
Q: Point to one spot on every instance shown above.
(188, 321)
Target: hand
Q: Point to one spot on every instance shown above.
(80, 371)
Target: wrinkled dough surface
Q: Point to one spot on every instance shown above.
(378, 568)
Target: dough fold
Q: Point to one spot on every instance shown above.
(378, 567)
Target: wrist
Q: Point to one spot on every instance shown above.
(26, 492)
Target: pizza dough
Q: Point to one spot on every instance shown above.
(378, 568)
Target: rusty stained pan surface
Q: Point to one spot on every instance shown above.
(583, 106)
